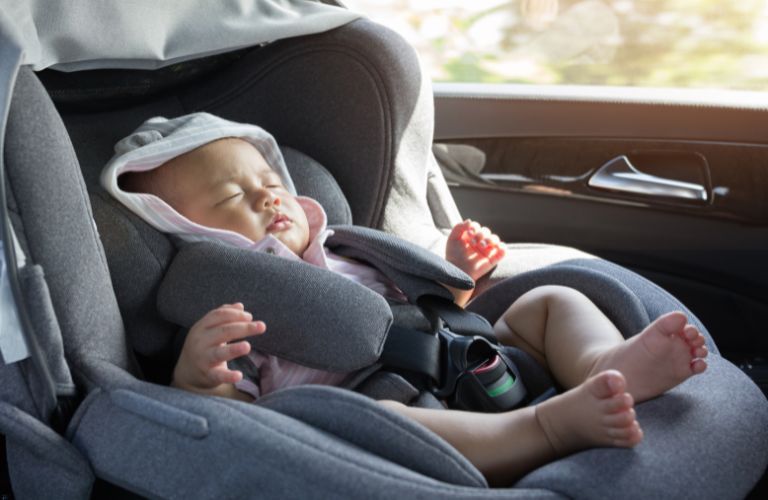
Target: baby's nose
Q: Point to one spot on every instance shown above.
(268, 200)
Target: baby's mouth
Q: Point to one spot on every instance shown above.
(280, 222)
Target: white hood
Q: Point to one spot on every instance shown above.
(158, 140)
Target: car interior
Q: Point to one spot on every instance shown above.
(546, 156)
(640, 209)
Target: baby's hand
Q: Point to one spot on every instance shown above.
(202, 366)
(474, 249)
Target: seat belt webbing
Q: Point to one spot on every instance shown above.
(412, 350)
(458, 320)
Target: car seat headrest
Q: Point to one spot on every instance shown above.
(313, 180)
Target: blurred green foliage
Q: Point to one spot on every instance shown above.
(656, 43)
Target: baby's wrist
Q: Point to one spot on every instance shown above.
(184, 385)
(182, 380)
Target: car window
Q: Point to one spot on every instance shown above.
(647, 43)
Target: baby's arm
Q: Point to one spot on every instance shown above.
(475, 250)
(202, 365)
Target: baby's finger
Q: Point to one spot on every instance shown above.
(229, 332)
(236, 305)
(501, 250)
(482, 234)
(495, 254)
(227, 352)
(225, 314)
(223, 375)
(459, 231)
(489, 245)
(479, 243)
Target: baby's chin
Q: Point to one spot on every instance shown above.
(295, 243)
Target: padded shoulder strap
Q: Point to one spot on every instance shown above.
(314, 317)
(415, 270)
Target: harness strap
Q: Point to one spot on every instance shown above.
(416, 271)
(414, 351)
(457, 319)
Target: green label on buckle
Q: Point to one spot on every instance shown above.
(501, 389)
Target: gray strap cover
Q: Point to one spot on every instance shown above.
(415, 270)
(314, 317)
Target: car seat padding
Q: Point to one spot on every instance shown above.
(313, 316)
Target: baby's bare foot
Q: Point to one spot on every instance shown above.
(599, 412)
(659, 358)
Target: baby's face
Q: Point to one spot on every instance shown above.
(227, 184)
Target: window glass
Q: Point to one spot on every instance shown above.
(649, 43)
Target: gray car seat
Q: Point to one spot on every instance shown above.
(347, 98)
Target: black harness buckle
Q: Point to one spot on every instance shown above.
(477, 376)
(453, 353)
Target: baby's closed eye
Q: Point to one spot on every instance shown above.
(230, 197)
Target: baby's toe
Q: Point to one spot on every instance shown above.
(607, 384)
(698, 341)
(669, 324)
(628, 436)
(620, 419)
(618, 403)
(698, 366)
(624, 432)
(691, 333)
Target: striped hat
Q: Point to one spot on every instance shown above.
(159, 140)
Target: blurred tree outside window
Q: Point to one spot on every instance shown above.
(710, 44)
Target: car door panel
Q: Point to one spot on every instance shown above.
(530, 161)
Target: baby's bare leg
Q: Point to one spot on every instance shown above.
(561, 328)
(564, 330)
(505, 446)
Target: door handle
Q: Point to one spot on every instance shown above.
(619, 175)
